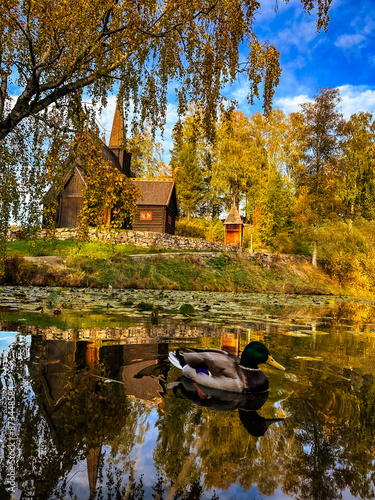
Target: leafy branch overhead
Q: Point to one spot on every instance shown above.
(51, 50)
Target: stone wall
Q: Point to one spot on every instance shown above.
(168, 242)
(137, 238)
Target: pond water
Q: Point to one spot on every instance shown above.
(97, 412)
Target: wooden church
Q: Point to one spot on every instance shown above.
(156, 207)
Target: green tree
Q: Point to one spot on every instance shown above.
(275, 212)
(316, 176)
(186, 165)
(232, 158)
(147, 154)
(357, 189)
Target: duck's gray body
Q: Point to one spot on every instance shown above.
(219, 370)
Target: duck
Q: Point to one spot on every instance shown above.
(220, 370)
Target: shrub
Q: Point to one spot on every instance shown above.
(17, 271)
(210, 230)
(349, 254)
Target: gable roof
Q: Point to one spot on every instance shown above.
(154, 191)
(233, 216)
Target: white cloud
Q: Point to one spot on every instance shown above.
(299, 35)
(291, 104)
(355, 99)
(349, 41)
(369, 25)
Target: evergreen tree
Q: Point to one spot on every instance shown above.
(316, 176)
(357, 189)
(187, 167)
(275, 212)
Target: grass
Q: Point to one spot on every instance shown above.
(99, 265)
(73, 248)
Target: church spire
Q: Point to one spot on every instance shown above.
(117, 133)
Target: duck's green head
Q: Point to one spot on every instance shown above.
(256, 353)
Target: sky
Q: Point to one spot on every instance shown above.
(343, 57)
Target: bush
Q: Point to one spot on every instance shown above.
(17, 271)
(210, 230)
(349, 254)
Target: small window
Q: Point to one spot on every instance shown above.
(146, 216)
(170, 220)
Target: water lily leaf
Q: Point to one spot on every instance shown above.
(309, 358)
(296, 334)
(187, 309)
(316, 332)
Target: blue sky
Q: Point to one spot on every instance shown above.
(343, 57)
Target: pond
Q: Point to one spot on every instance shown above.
(91, 408)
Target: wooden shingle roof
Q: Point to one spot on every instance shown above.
(233, 216)
(154, 191)
(117, 133)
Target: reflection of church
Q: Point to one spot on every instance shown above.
(53, 361)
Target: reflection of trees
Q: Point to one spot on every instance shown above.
(333, 441)
(323, 448)
(176, 439)
(67, 413)
(54, 434)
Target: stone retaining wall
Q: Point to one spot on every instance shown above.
(144, 239)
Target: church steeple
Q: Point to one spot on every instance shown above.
(117, 133)
(116, 141)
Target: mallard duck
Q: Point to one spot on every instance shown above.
(220, 370)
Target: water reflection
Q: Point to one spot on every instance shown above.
(214, 399)
(99, 419)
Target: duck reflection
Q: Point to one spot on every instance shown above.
(247, 404)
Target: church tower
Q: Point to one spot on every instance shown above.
(116, 141)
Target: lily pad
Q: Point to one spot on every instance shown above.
(187, 309)
(296, 334)
(145, 306)
(309, 358)
(315, 332)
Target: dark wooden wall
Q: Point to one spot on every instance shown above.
(157, 224)
(70, 202)
(163, 218)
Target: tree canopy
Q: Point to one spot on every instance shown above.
(50, 50)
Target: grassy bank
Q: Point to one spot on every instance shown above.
(97, 264)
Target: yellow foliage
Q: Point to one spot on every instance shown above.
(109, 198)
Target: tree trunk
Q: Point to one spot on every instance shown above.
(350, 223)
(315, 254)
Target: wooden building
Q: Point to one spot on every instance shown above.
(233, 228)
(70, 196)
(157, 206)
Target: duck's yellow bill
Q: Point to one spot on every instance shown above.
(272, 362)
